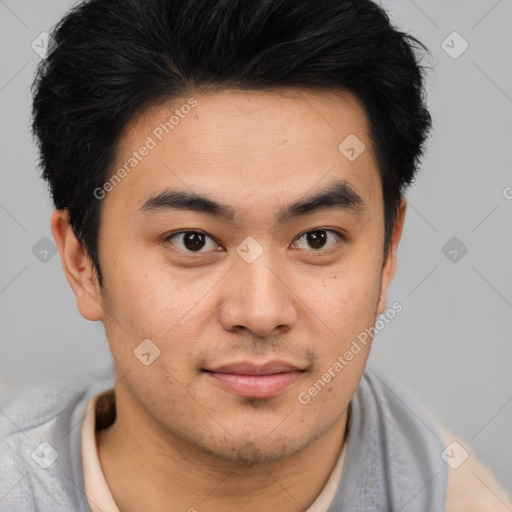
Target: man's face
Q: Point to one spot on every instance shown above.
(252, 288)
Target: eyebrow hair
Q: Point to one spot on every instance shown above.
(338, 195)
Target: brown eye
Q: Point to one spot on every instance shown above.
(192, 241)
(318, 239)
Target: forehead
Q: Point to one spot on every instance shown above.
(244, 147)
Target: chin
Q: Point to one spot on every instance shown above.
(250, 450)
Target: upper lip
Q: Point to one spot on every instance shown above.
(253, 368)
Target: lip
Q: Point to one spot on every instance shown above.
(253, 368)
(252, 380)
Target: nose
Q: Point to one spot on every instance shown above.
(259, 297)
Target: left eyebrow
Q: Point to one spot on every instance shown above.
(338, 195)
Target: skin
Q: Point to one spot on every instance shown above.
(200, 445)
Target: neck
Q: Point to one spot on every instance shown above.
(159, 471)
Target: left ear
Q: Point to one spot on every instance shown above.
(390, 266)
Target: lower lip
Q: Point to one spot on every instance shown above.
(256, 386)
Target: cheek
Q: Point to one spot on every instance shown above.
(345, 305)
(348, 294)
(137, 283)
(333, 381)
(156, 302)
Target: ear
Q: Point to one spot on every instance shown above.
(78, 267)
(390, 266)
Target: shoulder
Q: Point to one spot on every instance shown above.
(401, 442)
(472, 487)
(402, 412)
(40, 441)
(29, 408)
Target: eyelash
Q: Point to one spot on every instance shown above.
(340, 237)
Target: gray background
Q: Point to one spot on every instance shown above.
(451, 344)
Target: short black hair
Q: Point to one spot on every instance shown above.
(111, 59)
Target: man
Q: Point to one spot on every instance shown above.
(228, 179)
